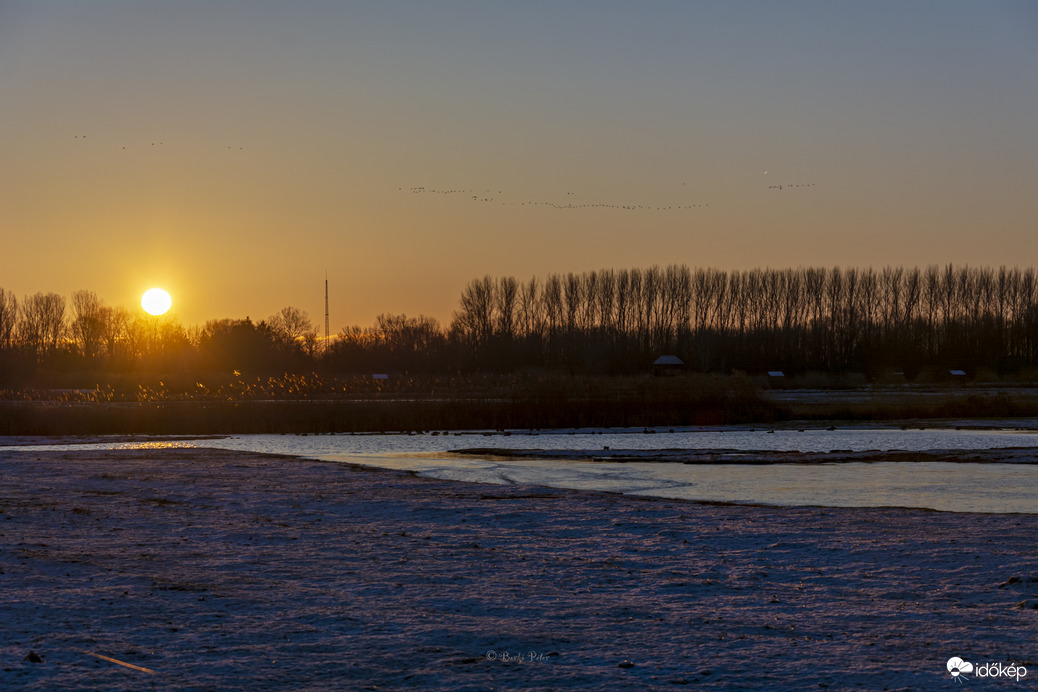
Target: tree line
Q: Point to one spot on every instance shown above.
(46, 333)
(794, 320)
(894, 319)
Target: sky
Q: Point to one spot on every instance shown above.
(236, 153)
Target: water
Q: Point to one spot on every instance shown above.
(957, 487)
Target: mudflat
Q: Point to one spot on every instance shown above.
(209, 569)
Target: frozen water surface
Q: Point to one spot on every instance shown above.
(837, 481)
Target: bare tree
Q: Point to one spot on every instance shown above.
(892, 285)
(291, 325)
(8, 318)
(574, 296)
(43, 323)
(949, 297)
(654, 307)
(868, 293)
(530, 315)
(679, 299)
(638, 325)
(115, 322)
(552, 298)
(932, 298)
(88, 322)
(589, 294)
(474, 319)
(913, 294)
(792, 292)
(623, 301)
(834, 304)
(739, 305)
(408, 335)
(719, 299)
(606, 299)
(702, 299)
(506, 296)
(1028, 315)
(1008, 283)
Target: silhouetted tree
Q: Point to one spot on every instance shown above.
(88, 323)
(474, 319)
(242, 346)
(42, 323)
(292, 326)
(8, 319)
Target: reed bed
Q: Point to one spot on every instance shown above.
(496, 403)
(310, 404)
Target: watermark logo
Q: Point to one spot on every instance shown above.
(958, 667)
(508, 657)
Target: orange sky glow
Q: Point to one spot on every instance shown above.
(233, 153)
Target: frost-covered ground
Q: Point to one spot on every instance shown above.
(226, 570)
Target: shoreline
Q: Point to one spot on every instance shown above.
(762, 457)
(949, 475)
(223, 570)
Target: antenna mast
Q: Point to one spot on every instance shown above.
(326, 308)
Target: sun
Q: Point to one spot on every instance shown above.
(156, 301)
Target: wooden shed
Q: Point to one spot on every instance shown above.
(668, 365)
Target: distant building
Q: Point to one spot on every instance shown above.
(668, 365)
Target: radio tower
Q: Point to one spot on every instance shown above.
(326, 308)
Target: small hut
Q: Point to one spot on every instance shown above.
(668, 365)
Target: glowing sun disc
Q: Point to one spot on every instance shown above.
(155, 301)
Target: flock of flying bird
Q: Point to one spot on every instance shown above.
(486, 196)
(489, 196)
(781, 187)
(153, 143)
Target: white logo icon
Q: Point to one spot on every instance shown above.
(956, 666)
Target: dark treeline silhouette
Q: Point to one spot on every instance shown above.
(395, 343)
(45, 338)
(794, 320)
(601, 322)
